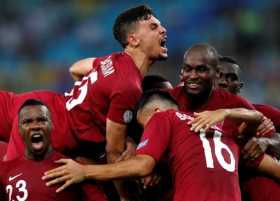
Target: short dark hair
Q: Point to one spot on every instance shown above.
(125, 21)
(31, 102)
(152, 82)
(228, 59)
(155, 94)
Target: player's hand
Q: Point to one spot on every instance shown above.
(266, 128)
(204, 120)
(150, 180)
(254, 148)
(69, 173)
(129, 151)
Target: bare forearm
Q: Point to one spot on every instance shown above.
(270, 167)
(134, 167)
(248, 116)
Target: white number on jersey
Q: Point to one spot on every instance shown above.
(218, 147)
(83, 88)
(21, 188)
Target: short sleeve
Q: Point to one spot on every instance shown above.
(156, 136)
(122, 105)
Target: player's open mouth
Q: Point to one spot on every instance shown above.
(37, 141)
(163, 43)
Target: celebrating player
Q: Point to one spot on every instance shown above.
(99, 106)
(256, 186)
(21, 178)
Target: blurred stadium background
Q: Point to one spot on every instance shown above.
(39, 39)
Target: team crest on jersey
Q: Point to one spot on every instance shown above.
(127, 116)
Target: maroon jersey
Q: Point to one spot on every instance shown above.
(255, 186)
(3, 149)
(270, 112)
(261, 188)
(21, 179)
(110, 90)
(203, 166)
(61, 136)
(218, 99)
(5, 114)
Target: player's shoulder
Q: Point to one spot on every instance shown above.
(111, 58)
(171, 115)
(226, 96)
(265, 107)
(10, 164)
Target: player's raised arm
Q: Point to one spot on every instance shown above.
(206, 119)
(81, 67)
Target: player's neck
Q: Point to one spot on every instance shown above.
(140, 59)
(38, 157)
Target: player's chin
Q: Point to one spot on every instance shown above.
(163, 56)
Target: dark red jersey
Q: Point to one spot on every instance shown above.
(109, 91)
(21, 179)
(203, 165)
(270, 112)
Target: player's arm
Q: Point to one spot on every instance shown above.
(115, 140)
(72, 172)
(115, 146)
(206, 119)
(270, 167)
(257, 146)
(80, 68)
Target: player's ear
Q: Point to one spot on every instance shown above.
(157, 109)
(132, 40)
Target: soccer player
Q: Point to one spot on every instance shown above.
(21, 178)
(229, 80)
(198, 92)
(99, 106)
(256, 186)
(208, 159)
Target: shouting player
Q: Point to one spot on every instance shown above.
(99, 106)
(21, 178)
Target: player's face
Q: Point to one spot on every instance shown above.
(152, 38)
(197, 73)
(228, 77)
(35, 128)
